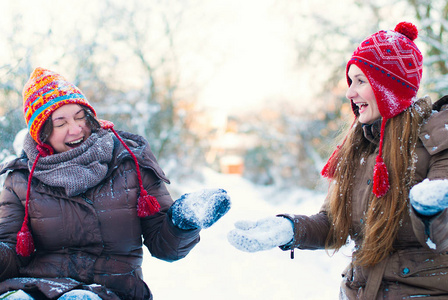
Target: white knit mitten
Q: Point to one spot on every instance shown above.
(261, 235)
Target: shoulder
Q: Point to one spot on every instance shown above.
(136, 143)
(141, 149)
(16, 175)
(132, 140)
(434, 132)
(19, 163)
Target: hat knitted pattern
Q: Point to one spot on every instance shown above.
(44, 93)
(393, 66)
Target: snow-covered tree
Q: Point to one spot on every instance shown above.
(433, 24)
(288, 146)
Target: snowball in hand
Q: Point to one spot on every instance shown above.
(429, 197)
(199, 209)
(264, 234)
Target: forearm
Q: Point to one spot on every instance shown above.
(170, 243)
(11, 219)
(8, 262)
(309, 232)
(429, 216)
(432, 231)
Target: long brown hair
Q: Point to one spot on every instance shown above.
(384, 214)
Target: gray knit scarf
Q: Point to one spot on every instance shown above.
(75, 170)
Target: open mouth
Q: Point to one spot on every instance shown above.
(362, 106)
(75, 143)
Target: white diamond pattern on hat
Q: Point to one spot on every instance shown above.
(401, 59)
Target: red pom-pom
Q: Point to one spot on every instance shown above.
(380, 178)
(106, 124)
(407, 29)
(147, 205)
(25, 243)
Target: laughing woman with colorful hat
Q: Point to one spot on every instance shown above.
(80, 202)
(388, 189)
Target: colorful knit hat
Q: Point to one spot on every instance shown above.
(393, 65)
(44, 93)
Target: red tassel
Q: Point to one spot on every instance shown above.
(328, 172)
(25, 243)
(147, 205)
(380, 178)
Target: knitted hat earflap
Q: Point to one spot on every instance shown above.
(25, 243)
(380, 174)
(147, 204)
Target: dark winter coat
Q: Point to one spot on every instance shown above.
(414, 268)
(92, 239)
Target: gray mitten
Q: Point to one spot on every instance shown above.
(199, 209)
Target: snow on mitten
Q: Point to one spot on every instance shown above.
(261, 235)
(200, 209)
(429, 198)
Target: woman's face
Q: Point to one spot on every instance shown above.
(361, 94)
(70, 128)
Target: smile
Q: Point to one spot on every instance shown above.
(75, 143)
(362, 106)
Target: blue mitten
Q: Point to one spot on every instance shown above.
(429, 198)
(199, 209)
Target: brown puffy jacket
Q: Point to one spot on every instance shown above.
(413, 268)
(93, 240)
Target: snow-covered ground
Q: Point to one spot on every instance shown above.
(216, 270)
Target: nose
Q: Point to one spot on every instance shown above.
(74, 128)
(351, 93)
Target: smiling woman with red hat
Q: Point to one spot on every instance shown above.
(83, 198)
(388, 181)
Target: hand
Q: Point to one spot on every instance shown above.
(429, 198)
(199, 209)
(264, 234)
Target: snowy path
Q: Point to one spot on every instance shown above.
(215, 270)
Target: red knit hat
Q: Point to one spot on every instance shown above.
(393, 65)
(44, 93)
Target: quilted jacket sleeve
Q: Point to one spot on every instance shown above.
(163, 239)
(434, 136)
(11, 218)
